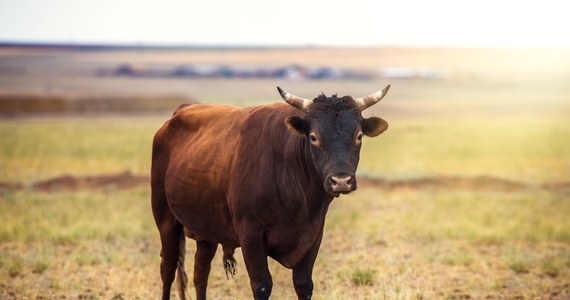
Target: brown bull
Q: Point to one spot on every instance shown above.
(260, 178)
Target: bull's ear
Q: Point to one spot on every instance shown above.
(374, 126)
(296, 125)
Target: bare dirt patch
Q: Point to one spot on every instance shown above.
(122, 181)
(468, 183)
(9, 186)
(126, 180)
(32, 105)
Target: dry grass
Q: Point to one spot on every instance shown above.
(398, 244)
(531, 149)
(401, 244)
(38, 149)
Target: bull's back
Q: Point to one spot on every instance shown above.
(201, 143)
(197, 147)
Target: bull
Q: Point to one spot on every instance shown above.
(260, 178)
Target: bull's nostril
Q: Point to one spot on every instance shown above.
(333, 182)
(349, 181)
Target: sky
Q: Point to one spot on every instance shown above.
(434, 23)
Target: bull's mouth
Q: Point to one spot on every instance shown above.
(337, 194)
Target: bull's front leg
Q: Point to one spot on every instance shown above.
(303, 272)
(255, 257)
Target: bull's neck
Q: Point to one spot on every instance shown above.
(311, 191)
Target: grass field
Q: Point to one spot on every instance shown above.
(531, 149)
(406, 243)
(496, 118)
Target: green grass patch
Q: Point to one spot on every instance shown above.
(363, 277)
(551, 267)
(40, 267)
(462, 258)
(519, 266)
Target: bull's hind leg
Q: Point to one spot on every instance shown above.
(170, 235)
(205, 252)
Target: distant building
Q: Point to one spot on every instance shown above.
(411, 73)
(291, 72)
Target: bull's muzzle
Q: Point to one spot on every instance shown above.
(342, 183)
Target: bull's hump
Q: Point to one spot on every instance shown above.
(200, 115)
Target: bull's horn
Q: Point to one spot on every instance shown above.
(297, 102)
(365, 102)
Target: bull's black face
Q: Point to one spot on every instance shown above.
(334, 129)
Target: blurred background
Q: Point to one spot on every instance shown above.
(465, 196)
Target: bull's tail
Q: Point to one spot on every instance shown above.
(229, 262)
(181, 276)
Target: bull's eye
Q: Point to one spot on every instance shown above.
(359, 137)
(313, 138)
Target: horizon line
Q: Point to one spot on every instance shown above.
(223, 46)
